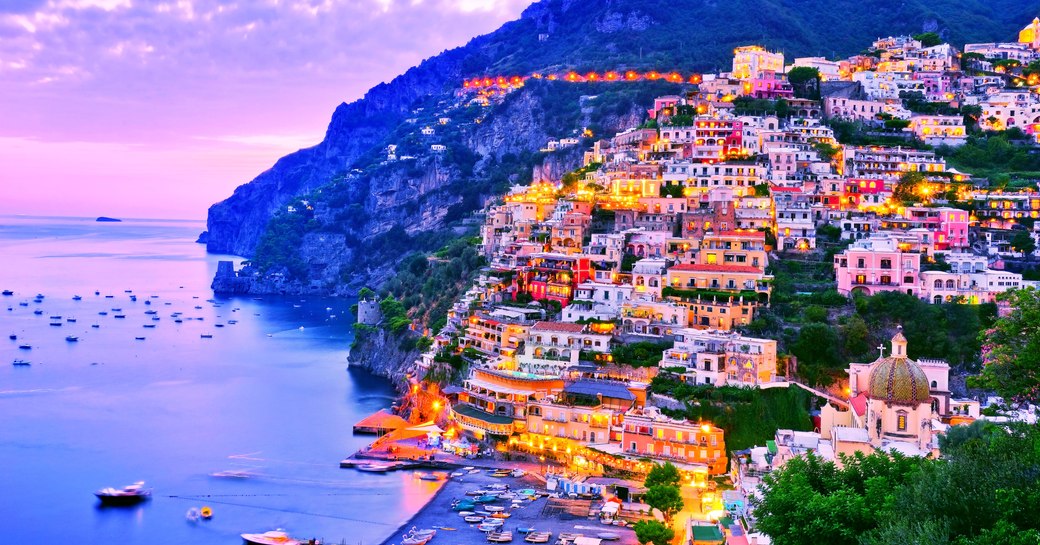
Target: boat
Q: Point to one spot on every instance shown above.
(25, 347)
(13, 337)
(494, 508)
(23, 304)
(193, 515)
(517, 472)
(95, 326)
(139, 338)
(473, 518)
(206, 512)
(500, 515)
(273, 537)
(608, 536)
(103, 313)
(425, 532)
(218, 325)
(77, 298)
(21, 363)
(463, 506)
(233, 474)
(150, 312)
(119, 316)
(149, 325)
(206, 335)
(37, 312)
(429, 477)
(55, 317)
(457, 474)
(70, 320)
(56, 324)
(538, 537)
(466, 513)
(8, 292)
(129, 495)
(524, 530)
(485, 527)
(178, 321)
(155, 318)
(406, 540)
(372, 468)
(500, 537)
(72, 339)
(487, 498)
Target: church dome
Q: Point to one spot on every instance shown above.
(899, 381)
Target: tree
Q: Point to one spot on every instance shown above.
(810, 500)
(817, 351)
(653, 532)
(666, 474)
(908, 190)
(664, 497)
(1011, 349)
(1022, 241)
(928, 39)
(805, 81)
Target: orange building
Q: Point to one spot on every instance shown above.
(649, 433)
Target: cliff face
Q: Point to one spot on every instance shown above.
(382, 354)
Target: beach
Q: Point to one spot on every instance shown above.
(543, 514)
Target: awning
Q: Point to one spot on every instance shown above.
(428, 427)
(498, 387)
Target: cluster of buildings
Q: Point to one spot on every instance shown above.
(666, 241)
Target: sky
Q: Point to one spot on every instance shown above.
(158, 109)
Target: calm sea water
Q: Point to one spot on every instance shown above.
(270, 394)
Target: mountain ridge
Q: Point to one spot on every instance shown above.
(552, 34)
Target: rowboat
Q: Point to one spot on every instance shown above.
(500, 537)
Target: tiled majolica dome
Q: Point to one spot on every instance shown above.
(898, 379)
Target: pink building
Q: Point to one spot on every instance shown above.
(877, 264)
(948, 227)
(769, 85)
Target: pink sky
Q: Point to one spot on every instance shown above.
(160, 108)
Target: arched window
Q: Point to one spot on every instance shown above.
(935, 384)
(949, 284)
(901, 420)
(938, 284)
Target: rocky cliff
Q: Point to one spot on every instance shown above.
(383, 354)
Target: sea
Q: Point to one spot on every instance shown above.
(270, 396)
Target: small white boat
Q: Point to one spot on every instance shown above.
(608, 536)
(500, 537)
(373, 468)
(495, 508)
(538, 537)
(466, 513)
(274, 537)
(517, 472)
(473, 519)
(457, 474)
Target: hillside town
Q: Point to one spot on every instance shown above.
(616, 299)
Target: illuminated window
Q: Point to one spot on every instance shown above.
(901, 420)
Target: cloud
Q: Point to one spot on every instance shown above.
(230, 85)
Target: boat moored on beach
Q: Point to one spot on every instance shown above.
(273, 537)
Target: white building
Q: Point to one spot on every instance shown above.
(722, 358)
(750, 61)
(936, 130)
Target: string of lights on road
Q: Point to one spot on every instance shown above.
(508, 82)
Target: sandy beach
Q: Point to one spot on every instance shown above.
(543, 514)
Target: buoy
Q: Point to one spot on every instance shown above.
(206, 512)
(192, 515)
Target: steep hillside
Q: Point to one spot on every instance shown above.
(360, 206)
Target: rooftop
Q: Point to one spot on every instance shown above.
(558, 327)
(465, 409)
(615, 390)
(697, 267)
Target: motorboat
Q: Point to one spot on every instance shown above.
(473, 519)
(466, 513)
(425, 532)
(56, 324)
(463, 506)
(494, 508)
(103, 313)
(517, 473)
(95, 326)
(25, 347)
(500, 515)
(120, 316)
(488, 528)
(21, 363)
(406, 540)
(206, 335)
(500, 537)
(149, 325)
(77, 298)
(13, 337)
(608, 536)
(524, 530)
(372, 468)
(8, 292)
(487, 498)
(273, 537)
(70, 320)
(72, 339)
(139, 338)
(55, 317)
(38, 312)
(538, 537)
(129, 495)
(233, 474)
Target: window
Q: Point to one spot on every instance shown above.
(901, 420)
(886, 263)
(860, 263)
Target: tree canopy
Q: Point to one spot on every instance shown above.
(1011, 349)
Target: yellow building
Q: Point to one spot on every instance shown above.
(1030, 35)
